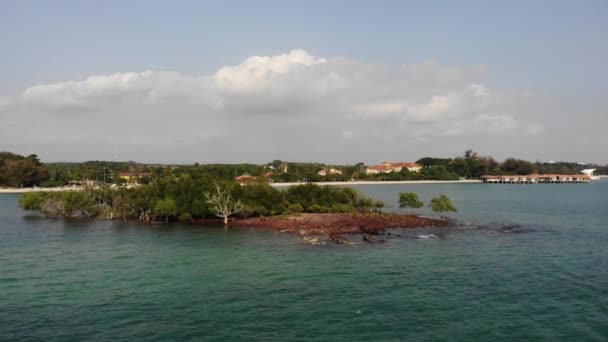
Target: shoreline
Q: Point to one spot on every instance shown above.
(278, 185)
(24, 190)
(467, 181)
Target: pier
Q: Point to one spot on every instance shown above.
(537, 179)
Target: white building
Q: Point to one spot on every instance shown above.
(329, 171)
(589, 173)
(387, 167)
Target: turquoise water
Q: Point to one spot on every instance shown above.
(529, 264)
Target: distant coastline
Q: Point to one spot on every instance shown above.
(24, 190)
(467, 181)
(278, 185)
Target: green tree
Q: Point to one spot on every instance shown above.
(78, 203)
(122, 205)
(32, 200)
(17, 171)
(517, 167)
(165, 207)
(295, 208)
(442, 204)
(409, 200)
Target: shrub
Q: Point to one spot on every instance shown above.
(342, 208)
(315, 208)
(32, 200)
(165, 207)
(295, 208)
(409, 200)
(185, 217)
(78, 203)
(260, 210)
(378, 205)
(442, 204)
(364, 204)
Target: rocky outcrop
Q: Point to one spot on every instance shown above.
(336, 226)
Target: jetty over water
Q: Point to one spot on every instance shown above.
(537, 179)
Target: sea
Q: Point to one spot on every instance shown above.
(522, 263)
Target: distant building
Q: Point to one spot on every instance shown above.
(86, 182)
(329, 171)
(133, 177)
(589, 173)
(535, 178)
(387, 167)
(245, 178)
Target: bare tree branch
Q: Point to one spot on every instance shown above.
(222, 203)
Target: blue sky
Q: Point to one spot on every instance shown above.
(557, 49)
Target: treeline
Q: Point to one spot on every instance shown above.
(472, 165)
(21, 171)
(191, 198)
(568, 168)
(26, 171)
(62, 173)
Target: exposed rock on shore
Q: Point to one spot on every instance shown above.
(335, 226)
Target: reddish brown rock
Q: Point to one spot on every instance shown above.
(339, 224)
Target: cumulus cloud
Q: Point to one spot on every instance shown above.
(259, 104)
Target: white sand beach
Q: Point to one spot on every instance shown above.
(23, 190)
(467, 181)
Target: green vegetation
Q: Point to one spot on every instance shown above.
(409, 200)
(472, 165)
(195, 197)
(70, 204)
(442, 204)
(20, 171)
(166, 207)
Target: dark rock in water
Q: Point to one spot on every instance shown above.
(513, 229)
(508, 227)
(340, 240)
(369, 239)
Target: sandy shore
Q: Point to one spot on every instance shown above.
(383, 182)
(22, 190)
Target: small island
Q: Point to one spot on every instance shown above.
(309, 210)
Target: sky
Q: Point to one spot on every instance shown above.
(328, 81)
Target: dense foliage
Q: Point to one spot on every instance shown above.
(21, 171)
(18, 171)
(186, 198)
(102, 171)
(472, 165)
(442, 204)
(409, 200)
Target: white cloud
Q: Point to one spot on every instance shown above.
(256, 74)
(106, 91)
(263, 100)
(534, 129)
